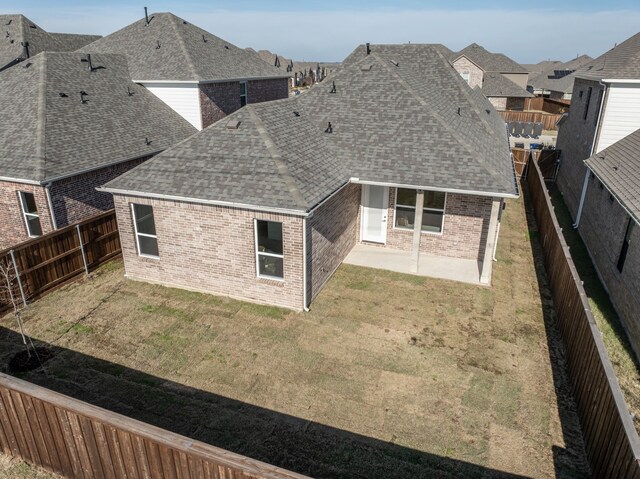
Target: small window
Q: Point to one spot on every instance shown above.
(269, 251)
(30, 213)
(432, 213)
(145, 229)
(243, 93)
(586, 107)
(465, 76)
(625, 245)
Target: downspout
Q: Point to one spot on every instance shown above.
(495, 244)
(596, 136)
(582, 197)
(304, 263)
(54, 223)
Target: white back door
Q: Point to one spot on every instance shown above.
(375, 201)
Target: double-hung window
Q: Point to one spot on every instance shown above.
(145, 229)
(243, 93)
(269, 251)
(432, 212)
(30, 214)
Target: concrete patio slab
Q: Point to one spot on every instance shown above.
(456, 269)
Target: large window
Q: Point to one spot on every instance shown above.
(432, 213)
(30, 213)
(269, 252)
(145, 229)
(243, 93)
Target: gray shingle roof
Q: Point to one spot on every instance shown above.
(17, 29)
(548, 80)
(49, 133)
(298, 66)
(172, 49)
(489, 62)
(392, 122)
(621, 62)
(618, 167)
(496, 84)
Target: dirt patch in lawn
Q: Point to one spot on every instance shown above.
(389, 375)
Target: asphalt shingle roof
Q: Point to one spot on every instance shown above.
(18, 29)
(547, 80)
(621, 62)
(394, 119)
(47, 132)
(496, 84)
(489, 62)
(298, 66)
(172, 49)
(618, 167)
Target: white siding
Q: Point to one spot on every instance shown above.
(621, 115)
(183, 98)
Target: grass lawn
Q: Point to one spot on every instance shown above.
(388, 376)
(614, 336)
(15, 469)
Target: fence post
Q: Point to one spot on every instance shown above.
(15, 266)
(84, 257)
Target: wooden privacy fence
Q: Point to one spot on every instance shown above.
(547, 105)
(548, 120)
(43, 263)
(611, 440)
(520, 161)
(78, 440)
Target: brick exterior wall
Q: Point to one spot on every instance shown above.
(602, 227)
(575, 139)
(331, 234)
(75, 198)
(476, 75)
(464, 231)
(14, 229)
(498, 102)
(218, 100)
(212, 249)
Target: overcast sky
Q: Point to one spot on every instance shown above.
(327, 30)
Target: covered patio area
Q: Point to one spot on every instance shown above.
(456, 269)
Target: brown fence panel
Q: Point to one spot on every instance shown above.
(49, 260)
(520, 160)
(547, 105)
(79, 440)
(611, 440)
(548, 120)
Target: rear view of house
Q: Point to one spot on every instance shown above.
(71, 122)
(200, 76)
(393, 153)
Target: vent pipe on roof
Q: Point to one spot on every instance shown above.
(129, 92)
(158, 45)
(333, 87)
(147, 141)
(329, 128)
(146, 16)
(204, 39)
(25, 49)
(82, 95)
(8, 23)
(277, 62)
(368, 48)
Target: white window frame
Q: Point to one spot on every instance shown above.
(466, 76)
(135, 229)
(443, 211)
(246, 92)
(273, 255)
(26, 215)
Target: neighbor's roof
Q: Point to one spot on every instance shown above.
(18, 29)
(418, 49)
(495, 84)
(618, 167)
(621, 62)
(548, 80)
(172, 49)
(394, 119)
(47, 132)
(489, 62)
(298, 66)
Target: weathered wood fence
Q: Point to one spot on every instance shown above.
(547, 105)
(548, 120)
(520, 161)
(611, 440)
(43, 263)
(78, 440)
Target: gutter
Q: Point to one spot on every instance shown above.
(304, 265)
(205, 82)
(434, 188)
(603, 101)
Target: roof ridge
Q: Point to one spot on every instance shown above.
(281, 166)
(173, 19)
(41, 118)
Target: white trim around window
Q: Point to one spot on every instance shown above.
(31, 217)
(266, 254)
(139, 235)
(244, 95)
(401, 228)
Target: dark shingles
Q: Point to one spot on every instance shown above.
(46, 135)
(489, 62)
(621, 62)
(496, 84)
(547, 79)
(172, 49)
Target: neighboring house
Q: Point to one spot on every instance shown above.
(502, 80)
(71, 122)
(199, 75)
(610, 226)
(554, 80)
(21, 39)
(266, 204)
(301, 73)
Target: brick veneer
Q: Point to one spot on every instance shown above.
(14, 229)
(212, 249)
(602, 227)
(331, 234)
(476, 75)
(218, 100)
(498, 102)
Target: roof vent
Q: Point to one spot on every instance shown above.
(204, 39)
(8, 34)
(368, 48)
(147, 20)
(367, 67)
(296, 113)
(147, 141)
(333, 87)
(395, 63)
(158, 45)
(129, 92)
(9, 22)
(25, 49)
(458, 110)
(233, 124)
(27, 65)
(63, 95)
(329, 128)
(32, 26)
(82, 96)
(226, 47)
(277, 62)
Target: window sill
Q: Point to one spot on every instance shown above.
(271, 280)
(148, 256)
(410, 230)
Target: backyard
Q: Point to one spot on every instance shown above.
(389, 375)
